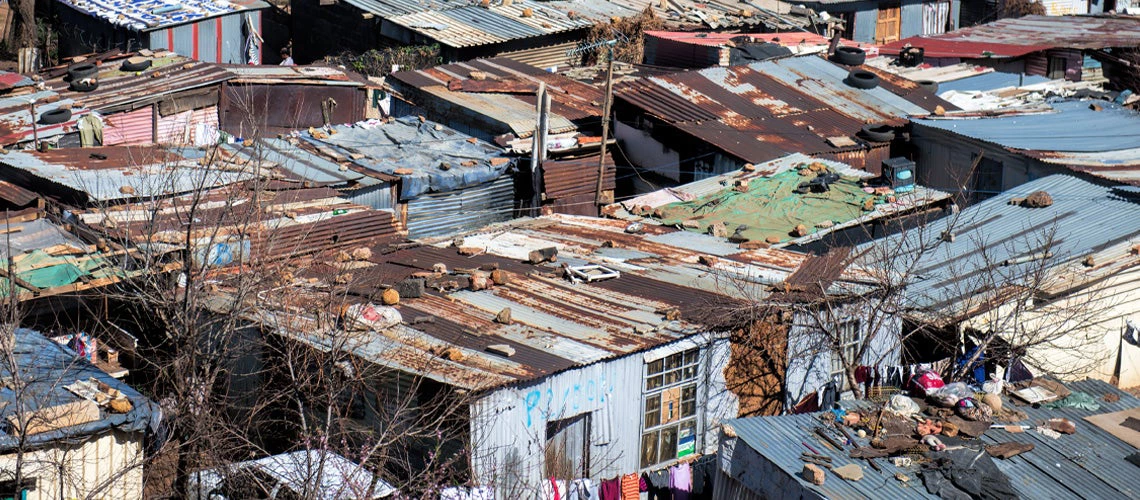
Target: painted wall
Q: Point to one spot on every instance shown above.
(809, 351)
(508, 426)
(943, 160)
(1094, 323)
(107, 466)
(867, 17)
(220, 40)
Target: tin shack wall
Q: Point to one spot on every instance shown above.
(218, 40)
(438, 214)
(508, 425)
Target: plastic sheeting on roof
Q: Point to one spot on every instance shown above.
(439, 159)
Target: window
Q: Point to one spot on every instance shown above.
(935, 17)
(669, 422)
(987, 178)
(848, 337)
(1057, 67)
(8, 489)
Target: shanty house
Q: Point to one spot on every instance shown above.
(264, 101)
(204, 30)
(885, 22)
(760, 457)
(772, 206)
(622, 370)
(174, 100)
(1057, 47)
(1016, 146)
(1056, 281)
(75, 439)
(691, 125)
(682, 49)
(29, 114)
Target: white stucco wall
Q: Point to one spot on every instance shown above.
(108, 466)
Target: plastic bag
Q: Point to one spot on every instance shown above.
(371, 317)
(927, 382)
(903, 405)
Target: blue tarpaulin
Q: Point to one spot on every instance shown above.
(440, 159)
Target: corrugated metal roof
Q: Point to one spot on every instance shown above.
(1087, 464)
(474, 25)
(118, 90)
(50, 366)
(297, 75)
(148, 15)
(17, 124)
(950, 275)
(122, 172)
(304, 163)
(573, 104)
(556, 324)
(391, 8)
(1020, 36)
(769, 109)
(1052, 138)
(788, 39)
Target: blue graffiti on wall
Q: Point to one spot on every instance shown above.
(583, 395)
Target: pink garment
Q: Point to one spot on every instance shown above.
(681, 481)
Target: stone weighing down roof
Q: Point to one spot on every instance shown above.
(665, 293)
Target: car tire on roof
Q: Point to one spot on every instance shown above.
(850, 56)
(82, 71)
(135, 65)
(878, 132)
(930, 85)
(55, 116)
(83, 85)
(862, 79)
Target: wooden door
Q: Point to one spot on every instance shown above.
(887, 29)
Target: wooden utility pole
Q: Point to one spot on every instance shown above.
(606, 105)
(538, 146)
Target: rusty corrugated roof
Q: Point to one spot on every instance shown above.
(1024, 35)
(119, 90)
(566, 178)
(765, 110)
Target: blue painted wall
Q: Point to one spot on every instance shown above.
(867, 16)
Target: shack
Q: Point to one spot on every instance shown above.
(886, 22)
(1049, 284)
(1017, 145)
(265, 101)
(544, 355)
(77, 439)
(692, 125)
(204, 30)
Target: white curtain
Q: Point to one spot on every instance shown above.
(935, 17)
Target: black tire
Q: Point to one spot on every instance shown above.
(139, 66)
(55, 116)
(878, 132)
(850, 56)
(82, 71)
(930, 85)
(862, 79)
(83, 86)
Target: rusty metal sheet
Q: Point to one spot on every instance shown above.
(118, 90)
(498, 86)
(1021, 36)
(287, 107)
(578, 176)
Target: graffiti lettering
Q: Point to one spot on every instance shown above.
(584, 395)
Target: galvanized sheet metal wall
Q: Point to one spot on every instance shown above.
(438, 214)
(188, 127)
(133, 127)
(378, 197)
(208, 40)
(233, 43)
(184, 40)
(508, 426)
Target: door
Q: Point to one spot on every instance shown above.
(887, 29)
(568, 448)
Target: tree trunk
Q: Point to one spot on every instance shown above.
(23, 32)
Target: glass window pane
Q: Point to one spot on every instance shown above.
(655, 366)
(652, 383)
(689, 393)
(672, 377)
(668, 443)
(691, 356)
(688, 409)
(649, 449)
(653, 403)
(672, 362)
(689, 373)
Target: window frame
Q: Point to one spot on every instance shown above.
(687, 383)
(849, 341)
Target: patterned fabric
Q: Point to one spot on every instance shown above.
(630, 487)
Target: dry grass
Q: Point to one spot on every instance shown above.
(631, 29)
